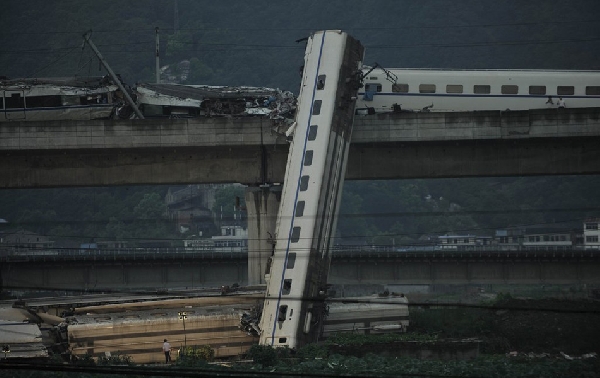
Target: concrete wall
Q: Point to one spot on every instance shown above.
(200, 274)
(246, 150)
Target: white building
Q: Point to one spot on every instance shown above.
(591, 233)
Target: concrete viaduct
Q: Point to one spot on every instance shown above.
(250, 151)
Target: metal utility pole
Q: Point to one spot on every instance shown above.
(87, 38)
(157, 58)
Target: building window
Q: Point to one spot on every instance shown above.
(565, 90)
(400, 88)
(591, 226)
(427, 88)
(592, 90)
(591, 239)
(510, 89)
(537, 89)
(450, 88)
(481, 89)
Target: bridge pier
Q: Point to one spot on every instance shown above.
(262, 204)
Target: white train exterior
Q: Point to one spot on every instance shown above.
(294, 306)
(49, 99)
(471, 90)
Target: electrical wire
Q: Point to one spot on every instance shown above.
(271, 29)
(250, 47)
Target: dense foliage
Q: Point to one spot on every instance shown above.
(380, 212)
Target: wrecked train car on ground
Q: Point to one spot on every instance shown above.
(52, 99)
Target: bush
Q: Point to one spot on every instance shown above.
(266, 355)
(117, 359)
(197, 353)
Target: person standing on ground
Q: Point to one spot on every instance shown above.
(561, 103)
(167, 349)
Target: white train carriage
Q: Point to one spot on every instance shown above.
(294, 306)
(49, 99)
(470, 90)
(367, 315)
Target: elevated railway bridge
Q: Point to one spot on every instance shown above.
(155, 269)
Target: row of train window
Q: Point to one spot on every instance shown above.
(300, 205)
(299, 212)
(561, 90)
(17, 101)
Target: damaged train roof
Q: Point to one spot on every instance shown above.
(206, 100)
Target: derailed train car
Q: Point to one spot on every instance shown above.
(366, 315)
(184, 101)
(49, 99)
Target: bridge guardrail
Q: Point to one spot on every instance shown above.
(236, 253)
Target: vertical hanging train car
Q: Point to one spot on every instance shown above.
(294, 307)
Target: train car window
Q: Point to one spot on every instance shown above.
(304, 183)
(287, 287)
(282, 313)
(509, 89)
(321, 82)
(312, 132)
(481, 89)
(317, 107)
(300, 208)
(291, 260)
(373, 87)
(592, 90)
(451, 88)
(70, 100)
(400, 88)
(15, 101)
(308, 157)
(43, 102)
(537, 89)
(295, 235)
(1, 102)
(426, 88)
(565, 90)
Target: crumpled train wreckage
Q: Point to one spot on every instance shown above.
(184, 101)
(82, 98)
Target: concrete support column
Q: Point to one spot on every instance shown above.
(262, 204)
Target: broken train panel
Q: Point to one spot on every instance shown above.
(294, 306)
